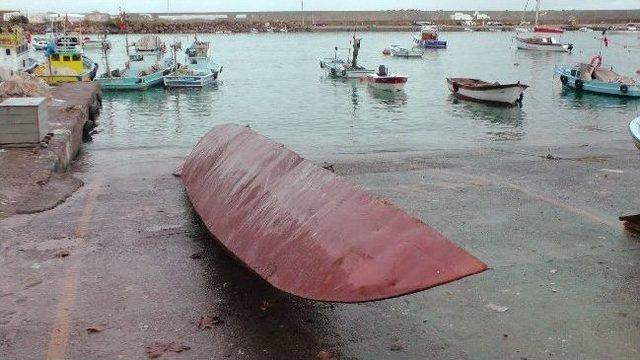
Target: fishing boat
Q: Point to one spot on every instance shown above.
(592, 77)
(634, 129)
(199, 70)
(65, 65)
(429, 38)
(483, 91)
(585, 29)
(39, 43)
(14, 51)
(542, 39)
(398, 51)
(339, 68)
(383, 79)
(145, 68)
(89, 43)
(630, 28)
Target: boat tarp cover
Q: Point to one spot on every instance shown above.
(148, 43)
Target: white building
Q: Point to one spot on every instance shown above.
(193, 17)
(9, 15)
(461, 17)
(480, 16)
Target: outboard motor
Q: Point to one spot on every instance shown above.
(382, 70)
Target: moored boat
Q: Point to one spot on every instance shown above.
(543, 44)
(429, 38)
(398, 51)
(593, 78)
(65, 65)
(89, 43)
(383, 79)
(634, 129)
(39, 43)
(543, 41)
(350, 69)
(14, 51)
(483, 91)
(145, 68)
(198, 71)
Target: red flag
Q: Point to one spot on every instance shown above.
(606, 41)
(122, 22)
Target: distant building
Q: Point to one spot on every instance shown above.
(241, 17)
(38, 18)
(8, 15)
(461, 17)
(479, 16)
(96, 16)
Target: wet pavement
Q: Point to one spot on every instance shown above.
(127, 255)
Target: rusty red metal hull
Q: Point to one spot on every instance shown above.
(308, 231)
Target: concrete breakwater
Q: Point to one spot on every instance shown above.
(391, 20)
(34, 178)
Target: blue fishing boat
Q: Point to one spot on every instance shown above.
(592, 77)
(429, 38)
(146, 67)
(198, 71)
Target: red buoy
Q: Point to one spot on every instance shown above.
(386, 52)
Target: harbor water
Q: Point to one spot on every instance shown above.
(273, 83)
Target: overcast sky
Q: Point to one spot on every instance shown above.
(279, 5)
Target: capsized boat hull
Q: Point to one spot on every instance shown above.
(570, 80)
(306, 230)
(499, 94)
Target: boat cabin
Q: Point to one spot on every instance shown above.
(14, 50)
(66, 62)
(429, 32)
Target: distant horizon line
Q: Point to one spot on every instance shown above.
(306, 11)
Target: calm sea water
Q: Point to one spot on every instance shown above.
(273, 83)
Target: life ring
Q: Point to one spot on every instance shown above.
(564, 79)
(579, 84)
(624, 89)
(596, 61)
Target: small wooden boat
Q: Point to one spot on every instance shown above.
(482, 91)
(350, 69)
(593, 78)
(429, 38)
(198, 71)
(634, 129)
(385, 80)
(543, 44)
(89, 43)
(14, 51)
(398, 51)
(146, 67)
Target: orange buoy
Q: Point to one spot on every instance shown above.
(386, 52)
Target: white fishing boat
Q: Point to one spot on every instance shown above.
(198, 71)
(634, 129)
(398, 51)
(542, 40)
(483, 91)
(585, 29)
(39, 43)
(630, 28)
(383, 79)
(339, 68)
(89, 43)
(14, 51)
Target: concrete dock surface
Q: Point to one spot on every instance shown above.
(33, 177)
(124, 266)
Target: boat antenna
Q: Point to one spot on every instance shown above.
(537, 11)
(356, 50)
(524, 12)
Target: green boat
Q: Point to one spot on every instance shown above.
(145, 68)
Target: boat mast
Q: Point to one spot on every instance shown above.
(537, 11)
(106, 56)
(524, 13)
(356, 50)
